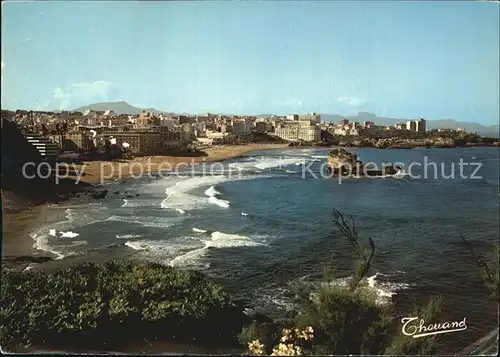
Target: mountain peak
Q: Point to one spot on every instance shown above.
(119, 107)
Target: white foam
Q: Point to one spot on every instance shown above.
(158, 222)
(41, 243)
(211, 191)
(127, 236)
(76, 243)
(180, 210)
(372, 283)
(224, 240)
(135, 245)
(69, 234)
(219, 202)
(180, 196)
(401, 173)
(267, 162)
(138, 203)
(63, 229)
(189, 259)
(384, 291)
(197, 230)
(172, 252)
(218, 240)
(278, 162)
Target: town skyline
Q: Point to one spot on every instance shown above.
(396, 60)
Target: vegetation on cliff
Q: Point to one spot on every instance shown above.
(93, 305)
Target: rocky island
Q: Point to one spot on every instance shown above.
(344, 163)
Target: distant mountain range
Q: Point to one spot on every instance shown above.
(123, 107)
(120, 107)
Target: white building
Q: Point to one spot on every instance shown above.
(420, 125)
(411, 125)
(302, 130)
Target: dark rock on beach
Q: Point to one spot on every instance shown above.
(31, 259)
(99, 194)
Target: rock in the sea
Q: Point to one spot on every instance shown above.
(341, 161)
(345, 163)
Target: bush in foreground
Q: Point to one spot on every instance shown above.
(92, 305)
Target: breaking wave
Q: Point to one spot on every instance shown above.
(212, 193)
(127, 236)
(181, 197)
(267, 162)
(218, 240)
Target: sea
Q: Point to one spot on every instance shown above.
(261, 223)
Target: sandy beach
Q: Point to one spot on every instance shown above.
(17, 226)
(98, 172)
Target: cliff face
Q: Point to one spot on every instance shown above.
(16, 150)
(18, 191)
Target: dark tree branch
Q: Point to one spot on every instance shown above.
(489, 276)
(348, 229)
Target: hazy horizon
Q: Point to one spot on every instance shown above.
(397, 59)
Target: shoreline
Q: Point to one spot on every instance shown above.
(16, 226)
(95, 171)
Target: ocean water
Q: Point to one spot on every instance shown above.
(259, 225)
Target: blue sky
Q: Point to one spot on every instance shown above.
(399, 59)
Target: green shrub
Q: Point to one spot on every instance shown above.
(344, 321)
(113, 302)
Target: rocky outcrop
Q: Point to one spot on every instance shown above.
(344, 163)
(407, 143)
(341, 161)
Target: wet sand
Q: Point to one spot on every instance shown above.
(15, 232)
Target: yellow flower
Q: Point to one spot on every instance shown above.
(255, 347)
(306, 334)
(286, 350)
(297, 351)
